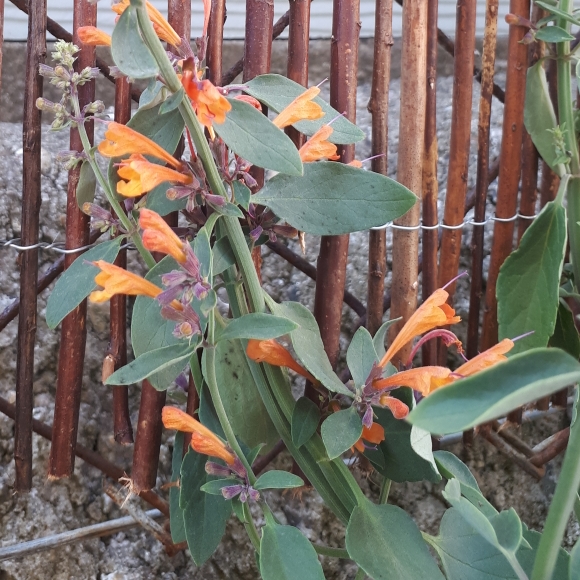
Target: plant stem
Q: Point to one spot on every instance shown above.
(562, 504)
(385, 489)
(125, 221)
(251, 527)
(332, 552)
(566, 116)
(360, 574)
(210, 377)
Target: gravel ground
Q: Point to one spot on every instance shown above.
(55, 506)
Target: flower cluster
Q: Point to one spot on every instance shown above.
(206, 442)
(181, 286)
(138, 175)
(432, 314)
(66, 80)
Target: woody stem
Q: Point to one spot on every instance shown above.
(125, 221)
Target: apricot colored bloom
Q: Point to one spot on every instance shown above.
(482, 361)
(419, 379)
(159, 237)
(300, 109)
(115, 280)
(92, 36)
(355, 163)
(202, 439)
(209, 104)
(122, 140)
(397, 407)
(432, 313)
(317, 147)
(138, 176)
(162, 28)
(273, 353)
(373, 434)
(486, 359)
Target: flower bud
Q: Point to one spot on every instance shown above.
(213, 468)
(94, 108)
(44, 104)
(230, 491)
(45, 70)
(69, 159)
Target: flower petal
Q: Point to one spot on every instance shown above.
(300, 109)
(432, 313)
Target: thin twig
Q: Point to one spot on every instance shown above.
(70, 537)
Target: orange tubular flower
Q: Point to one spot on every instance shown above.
(432, 313)
(92, 36)
(317, 147)
(162, 28)
(482, 361)
(117, 280)
(202, 439)
(398, 408)
(486, 359)
(122, 140)
(159, 237)
(142, 176)
(375, 434)
(300, 109)
(419, 379)
(210, 105)
(269, 351)
(425, 380)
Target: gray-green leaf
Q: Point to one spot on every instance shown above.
(528, 282)
(276, 479)
(496, 391)
(257, 325)
(387, 544)
(308, 345)
(250, 134)
(128, 49)
(78, 281)
(305, 418)
(341, 431)
(285, 554)
(333, 198)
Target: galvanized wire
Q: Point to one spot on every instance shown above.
(470, 222)
(59, 248)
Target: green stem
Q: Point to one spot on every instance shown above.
(566, 116)
(251, 527)
(385, 489)
(210, 377)
(332, 552)
(111, 198)
(560, 509)
(360, 574)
